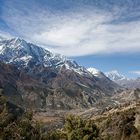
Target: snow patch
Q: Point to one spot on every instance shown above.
(115, 75)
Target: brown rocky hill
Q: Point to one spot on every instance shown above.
(65, 90)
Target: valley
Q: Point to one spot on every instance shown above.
(54, 87)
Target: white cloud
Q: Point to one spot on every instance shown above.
(5, 35)
(75, 34)
(136, 72)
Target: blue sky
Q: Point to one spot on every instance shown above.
(126, 64)
(96, 33)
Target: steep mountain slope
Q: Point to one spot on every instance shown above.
(8, 106)
(102, 78)
(27, 55)
(96, 72)
(46, 80)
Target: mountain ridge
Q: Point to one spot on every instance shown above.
(22, 54)
(130, 83)
(53, 81)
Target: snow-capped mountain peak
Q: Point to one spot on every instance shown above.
(115, 75)
(25, 55)
(95, 72)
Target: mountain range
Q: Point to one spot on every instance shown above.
(36, 77)
(122, 80)
(52, 86)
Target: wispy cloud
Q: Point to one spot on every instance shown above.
(5, 35)
(137, 72)
(77, 33)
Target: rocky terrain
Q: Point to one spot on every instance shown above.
(130, 83)
(41, 79)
